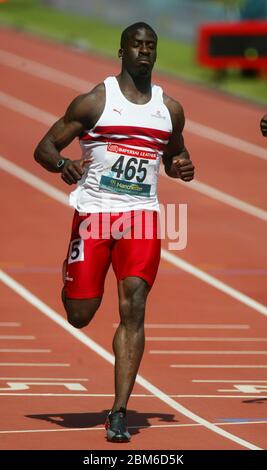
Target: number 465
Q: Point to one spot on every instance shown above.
(134, 167)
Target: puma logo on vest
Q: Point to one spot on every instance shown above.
(158, 115)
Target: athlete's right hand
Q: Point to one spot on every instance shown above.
(74, 169)
(263, 125)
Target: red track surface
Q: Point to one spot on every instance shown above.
(223, 241)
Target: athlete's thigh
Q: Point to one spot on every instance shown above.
(139, 255)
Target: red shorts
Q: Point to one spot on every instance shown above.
(129, 240)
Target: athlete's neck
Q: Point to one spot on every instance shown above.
(135, 88)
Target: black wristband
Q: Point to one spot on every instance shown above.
(61, 163)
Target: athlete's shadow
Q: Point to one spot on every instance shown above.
(255, 400)
(136, 420)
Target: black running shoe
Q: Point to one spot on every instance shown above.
(116, 426)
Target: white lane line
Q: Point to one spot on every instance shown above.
(205, 339)
(232, 201)
(227, 140)
(23, 337)
(33, 364)
(9, 324)
(25, 350)
(53, 315)
(212, 281)
(48, 119)
(14, 387)
(64, 379)
(92, 395)
(217, 366)
(162, 351)
(236, 381)
(195, 326)
(70, 81)
(25, 431)
(153, 426)
(44, 72)
(49, 190)
(221, 196)
(27, 109)
(34, 181)
(111, 395)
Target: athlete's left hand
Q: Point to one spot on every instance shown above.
(263, 125)
(183, 168)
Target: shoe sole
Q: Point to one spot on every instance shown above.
(114, 438)
(118, 440)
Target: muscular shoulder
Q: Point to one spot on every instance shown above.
(87, 108)
(176, 112)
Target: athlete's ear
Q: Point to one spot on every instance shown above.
(120, 53)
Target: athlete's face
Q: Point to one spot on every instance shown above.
(139, 52)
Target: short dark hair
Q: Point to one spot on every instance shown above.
(133, 27)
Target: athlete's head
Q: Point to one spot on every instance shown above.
(138, 48)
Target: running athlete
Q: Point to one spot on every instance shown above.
(125, 127)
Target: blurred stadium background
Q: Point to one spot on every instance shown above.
(96, 25)
(177, 19)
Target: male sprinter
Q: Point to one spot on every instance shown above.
(125, 125)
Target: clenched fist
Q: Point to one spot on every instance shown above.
(183, 168)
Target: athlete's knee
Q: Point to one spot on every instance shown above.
(133, 295)
(134, 292)
(78, 319)
(81, 311)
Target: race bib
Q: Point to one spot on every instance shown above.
(129, 171)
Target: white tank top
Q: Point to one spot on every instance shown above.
(127, 143)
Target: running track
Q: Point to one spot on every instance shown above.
(202, 382)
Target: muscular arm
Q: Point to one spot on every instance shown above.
(176, 158)
(81, 114)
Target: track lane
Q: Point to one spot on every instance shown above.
(56, 412)
(206, 295)
(143, 382)
(39, 285)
